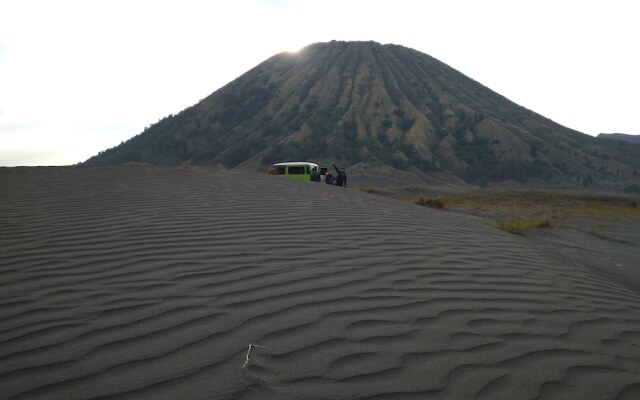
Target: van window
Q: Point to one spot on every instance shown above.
(296, 170)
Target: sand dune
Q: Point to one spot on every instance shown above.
(163, 283)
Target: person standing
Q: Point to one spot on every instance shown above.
(315, 175)
(341, 179)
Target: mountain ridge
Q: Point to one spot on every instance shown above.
(620, 136)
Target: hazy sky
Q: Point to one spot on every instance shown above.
(80, 76)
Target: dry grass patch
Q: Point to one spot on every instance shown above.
(429, 202)
(519, 211)
(547, 205)
(607, 210)
(521, 224)
(597, 232)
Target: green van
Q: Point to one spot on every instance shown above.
(302, 170)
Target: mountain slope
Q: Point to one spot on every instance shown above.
(386, 105)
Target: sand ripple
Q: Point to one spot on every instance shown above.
(164, 283)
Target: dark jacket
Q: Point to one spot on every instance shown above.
(341, 179)
(329, 179)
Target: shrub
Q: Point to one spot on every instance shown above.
(521, 224)
(429, 202)
(597, 232)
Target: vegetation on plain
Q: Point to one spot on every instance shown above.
(521, 224)
(518, 212)
(429, 202)
(597, 232)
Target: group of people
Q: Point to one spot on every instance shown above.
(340, 179)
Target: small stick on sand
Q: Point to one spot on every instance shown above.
(251, 345)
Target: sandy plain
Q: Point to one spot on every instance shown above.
(140, 282)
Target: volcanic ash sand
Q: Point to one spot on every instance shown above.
(165, 283)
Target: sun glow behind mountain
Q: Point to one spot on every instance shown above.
(90, 91)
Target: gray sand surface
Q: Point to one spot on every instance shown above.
(139, 282)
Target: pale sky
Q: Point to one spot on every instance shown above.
(80, 76)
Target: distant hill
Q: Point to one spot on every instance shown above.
(621, 136)
(385, 107)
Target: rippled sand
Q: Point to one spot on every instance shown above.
(139, 282)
